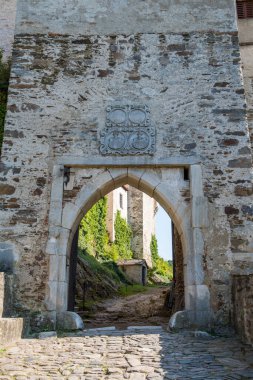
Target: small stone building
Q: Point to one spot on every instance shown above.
(136, 270)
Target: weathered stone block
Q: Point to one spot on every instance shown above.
(244, 191)
(11, 329)
(199, 212)
(197, 298)
(6, 189)
(69, 321)
(240, 163)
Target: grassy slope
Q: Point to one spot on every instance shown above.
(99, 279)
(103, 280)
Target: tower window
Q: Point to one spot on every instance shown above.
(244, 8)
(121, 201)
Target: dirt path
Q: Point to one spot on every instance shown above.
(145, 308)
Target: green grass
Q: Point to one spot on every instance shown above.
(105, 370)
(2, 351)
(88, 306)
(107, 268)
(129, 290)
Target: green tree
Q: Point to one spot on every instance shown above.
(93, 236)
(154, 249)
(160, 266)
(123, 237)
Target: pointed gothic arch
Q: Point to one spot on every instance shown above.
(163, 187)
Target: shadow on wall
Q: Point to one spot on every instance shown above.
(6, 295)
(242, 293)
(7, 257)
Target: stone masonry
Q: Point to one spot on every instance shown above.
(7, 26)
(11, 329)
(246, 48)
(139, 211)
(74, 59)
(243, 306)
(116, 201)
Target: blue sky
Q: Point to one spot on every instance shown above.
(163, 234)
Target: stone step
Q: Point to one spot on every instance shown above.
(11, 330)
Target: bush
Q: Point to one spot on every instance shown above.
(123, 237)
(94, 238)
(161, 267)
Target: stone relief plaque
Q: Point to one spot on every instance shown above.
(128, 131)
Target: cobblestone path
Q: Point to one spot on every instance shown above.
(129, 354)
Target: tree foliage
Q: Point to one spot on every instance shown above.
(123, 237)
(4, 82)
(160, 266)
(154, 249)
(94, 238)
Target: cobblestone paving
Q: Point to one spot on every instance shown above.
(134, 355)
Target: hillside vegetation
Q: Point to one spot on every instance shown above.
(161, 268)
(94, 238)
(98, 276)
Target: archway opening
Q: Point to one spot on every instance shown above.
(126, 262)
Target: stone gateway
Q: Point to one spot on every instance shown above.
(108, 93)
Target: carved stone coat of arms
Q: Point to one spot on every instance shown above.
(128, 131)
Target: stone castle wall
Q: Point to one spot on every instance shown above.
(246, 48)
(7, 26)
(72, 60)
(135, 212)
(139, 211)
(113, 205)
(148, 220)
